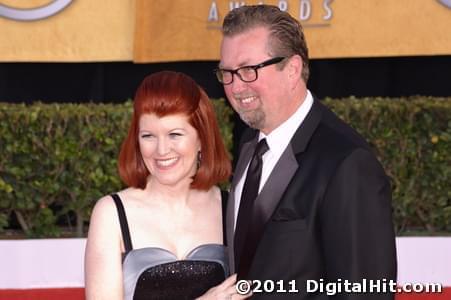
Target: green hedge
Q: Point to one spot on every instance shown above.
(58, 159)
(412, 139)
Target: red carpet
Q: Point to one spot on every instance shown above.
(78, 294)
(44, 294)
(444, 295)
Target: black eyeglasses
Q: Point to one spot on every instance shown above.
(246, 73)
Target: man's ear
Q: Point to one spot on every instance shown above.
(294, 67)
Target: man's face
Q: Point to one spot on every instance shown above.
(260, 104)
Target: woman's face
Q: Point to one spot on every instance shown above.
(169, 146)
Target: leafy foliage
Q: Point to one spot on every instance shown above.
(412, 139)
(58, 159)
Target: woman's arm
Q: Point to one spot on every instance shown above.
(103, 267)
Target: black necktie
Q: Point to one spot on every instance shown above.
(250, 192)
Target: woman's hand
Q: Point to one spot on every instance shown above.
(225, 291)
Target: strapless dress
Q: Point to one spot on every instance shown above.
(156, 273)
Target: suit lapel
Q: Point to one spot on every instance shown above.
(304, 133)
(244, 158)
(277, 183)
(230, 218)
(265, 205)
(275, 186)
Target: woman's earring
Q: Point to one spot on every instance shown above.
(199, 159)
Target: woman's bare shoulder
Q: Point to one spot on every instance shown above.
(215, 193)
(106, 206)
(210, 198)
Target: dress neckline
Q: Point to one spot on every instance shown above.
(188, 256)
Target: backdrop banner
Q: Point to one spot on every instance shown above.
(187, 30)
(190, 30)
(66, 30)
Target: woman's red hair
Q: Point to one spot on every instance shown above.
(169, 93)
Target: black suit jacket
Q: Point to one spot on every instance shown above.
(325, 212)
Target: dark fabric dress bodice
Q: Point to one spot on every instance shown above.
(156, 273)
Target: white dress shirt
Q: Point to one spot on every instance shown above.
(277, 141)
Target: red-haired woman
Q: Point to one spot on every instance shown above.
(162, 237)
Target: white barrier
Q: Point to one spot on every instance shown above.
(56, 263)
(44, 263)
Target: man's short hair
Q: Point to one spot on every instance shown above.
(286, 33)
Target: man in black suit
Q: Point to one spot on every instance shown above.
(310, 205)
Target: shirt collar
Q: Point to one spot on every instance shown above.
(280, 137)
